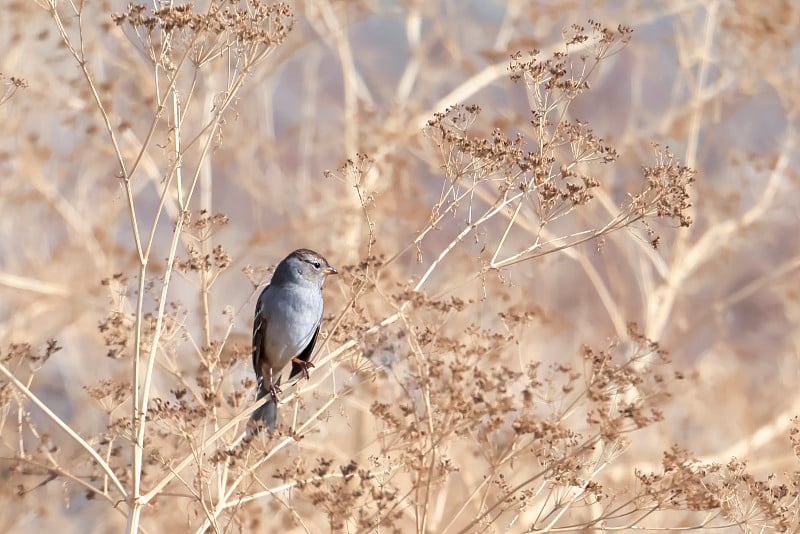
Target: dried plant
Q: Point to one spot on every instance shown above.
(462, 382)
(12, 85)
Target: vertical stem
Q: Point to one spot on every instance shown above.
(137, 348)
(205, 248)
(178, 120)
(135, 514)
(205, 288)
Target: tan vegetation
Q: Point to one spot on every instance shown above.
(569, 266)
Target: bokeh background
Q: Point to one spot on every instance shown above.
(715, 81)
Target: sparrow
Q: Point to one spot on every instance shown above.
(286, 326)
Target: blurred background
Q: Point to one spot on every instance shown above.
(715, 81)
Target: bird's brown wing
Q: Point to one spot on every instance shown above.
(259, 330)
(297, 368)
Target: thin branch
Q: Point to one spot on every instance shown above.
(66, 428)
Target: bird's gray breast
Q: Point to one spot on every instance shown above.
(293, 313)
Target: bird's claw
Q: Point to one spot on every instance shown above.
(304, 365)
(273, 392)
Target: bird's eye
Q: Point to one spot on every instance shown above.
(316, 265)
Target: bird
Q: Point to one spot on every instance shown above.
(287, 320)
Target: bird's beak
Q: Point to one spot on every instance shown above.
(330, 270)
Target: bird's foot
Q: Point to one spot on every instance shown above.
(273, 392)
(304, 365)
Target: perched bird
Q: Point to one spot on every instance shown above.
(288, 315)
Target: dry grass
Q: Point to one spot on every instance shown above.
(546, 320)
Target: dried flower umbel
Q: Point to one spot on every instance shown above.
(512, 188)
(12, 85)
(247, 30)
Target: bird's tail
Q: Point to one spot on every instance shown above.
(265, 416)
